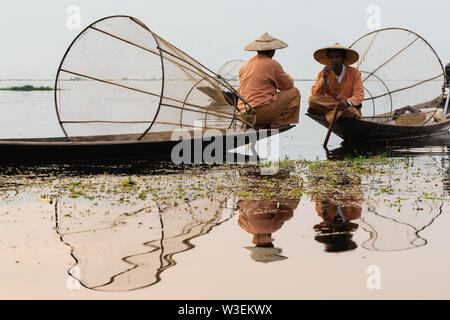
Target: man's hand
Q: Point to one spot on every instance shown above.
(326, 72)
(342, 106)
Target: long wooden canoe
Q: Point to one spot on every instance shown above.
(380, 128)
(157, 146)
(371, 131)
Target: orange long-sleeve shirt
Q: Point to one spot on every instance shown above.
(351, 87)
(259, 79)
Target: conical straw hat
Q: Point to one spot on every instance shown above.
(321, 54)
(266, 254)
(266, 42)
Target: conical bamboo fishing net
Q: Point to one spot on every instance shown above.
(120, 78)
(399, 68)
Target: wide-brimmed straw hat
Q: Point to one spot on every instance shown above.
(266, 42)
(321, 54)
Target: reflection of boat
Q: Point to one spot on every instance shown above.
(398, 148)
(446, 181)
(119, 251)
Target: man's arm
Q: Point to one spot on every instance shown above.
(358, 90)
(320, 86)
(283, 81)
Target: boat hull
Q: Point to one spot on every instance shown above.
(58, 149)
(367, 131)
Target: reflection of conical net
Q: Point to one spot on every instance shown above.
(397, 232)
(118, 77)
(117, 251)
(399, 68)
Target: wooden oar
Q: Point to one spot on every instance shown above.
(330, 128)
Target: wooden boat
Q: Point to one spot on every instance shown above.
(378, 129)
(129, 104)
(372, 131)
(158, 146)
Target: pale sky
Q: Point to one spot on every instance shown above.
(35, 36)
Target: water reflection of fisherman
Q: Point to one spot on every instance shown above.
(262, 218)
(336, 229)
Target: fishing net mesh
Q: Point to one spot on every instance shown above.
(119, 78)
(399, 68)
(230, 71)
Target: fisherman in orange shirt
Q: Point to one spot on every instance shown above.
(338, 85)
(267, 88)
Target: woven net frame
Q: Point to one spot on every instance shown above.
(399, 68)
(230, 70)
(120, 80)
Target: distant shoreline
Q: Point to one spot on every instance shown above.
(27, 88)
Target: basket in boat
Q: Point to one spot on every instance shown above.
(411, 119)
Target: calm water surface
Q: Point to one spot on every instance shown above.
(217, 246)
